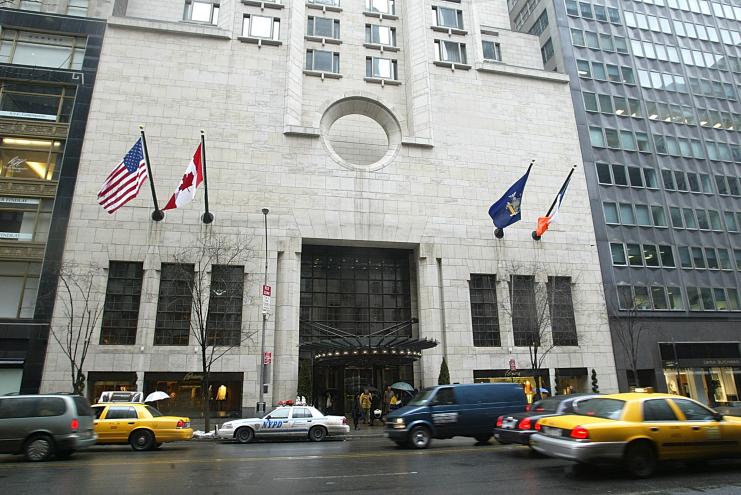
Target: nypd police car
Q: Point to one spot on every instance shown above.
(286, 422)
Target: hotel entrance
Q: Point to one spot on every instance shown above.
(356, 325)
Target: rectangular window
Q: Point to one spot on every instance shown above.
(636, 177)
(25, 219)
(524, 310)
(627, 141)
(690, 221)
(450, 51)
(224, 320)
(698, 259)
(650, 255)
(380, 35)
(381, 68)
(598, 69)
(711, 258)
(600, 13)
(586, 10)
(561, 308)
(36, 101)
(172, 326)
(737, 255)
(484, 312)
(201, 11)
(591, 40)
(258, 26)
(323, 27)
(707, 299)
(685, 259)
(642, 141)
(381, 6)
(651, 181)
(323, 61)
(19, 282)
(674, 295)
(590, 102)
(680, 180)
(121, 307)
(667, 256)
(724, 260)
(492, 50)
(635, 257)
(628, 76)
(583, 68)
(693, 294)
(693, 181)
(603, 173)
(702, 219)
(42, 49)
(618, 254)
(605, 103)
(614, 15)
(611, 136)
(611, 213)
(641, 299)
(643, 216)
(77, 7)
(546, 51)
(675, 214)
(730, 219)
(659, 216)
(447, 17)
(625, 297)
(577, 37)
(572, 8)
(613, 73)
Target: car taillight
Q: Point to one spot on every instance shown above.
(537, 426)
(524, 424)
(579, 433)
(500, 420)
(181, 424)
(527, 407)
(74, 425)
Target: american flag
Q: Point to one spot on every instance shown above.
(124, 183)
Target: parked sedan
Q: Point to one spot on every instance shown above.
(518, 427)
(298, 422)
(140, 425)
(638, 429)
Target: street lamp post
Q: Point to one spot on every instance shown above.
(261, 401)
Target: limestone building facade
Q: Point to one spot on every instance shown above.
(377, 133)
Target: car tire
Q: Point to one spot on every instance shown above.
(38, 448)
(317, 433)
(639, 460)
(483, 438)
(420, 437)
(64, 454)
(244, 434)
(141, 440)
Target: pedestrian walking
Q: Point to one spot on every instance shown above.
(356, 411)
(376, 405)
(387, 394)
(365, 405)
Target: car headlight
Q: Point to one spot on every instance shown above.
(399, 421)
(227, 426)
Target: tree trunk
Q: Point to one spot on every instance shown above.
(206, 404)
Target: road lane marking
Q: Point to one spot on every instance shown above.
(360, 455)
(407, 473)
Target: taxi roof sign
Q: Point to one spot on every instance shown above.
(643, 390)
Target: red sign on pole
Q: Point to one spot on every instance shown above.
(267, 358)
(266, 290)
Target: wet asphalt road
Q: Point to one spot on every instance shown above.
(360, 465)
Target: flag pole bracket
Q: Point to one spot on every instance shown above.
(158, 215)
(498, 233)
(207, 217)
(536, 237)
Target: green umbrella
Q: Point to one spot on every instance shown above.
(402, 386)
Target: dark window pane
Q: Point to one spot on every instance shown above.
(121, 307)
(172, 326)
(484, 314)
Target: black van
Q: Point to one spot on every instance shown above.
(447, 411)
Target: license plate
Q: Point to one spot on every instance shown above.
(551, 431)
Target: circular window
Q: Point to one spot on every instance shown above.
(360, 133)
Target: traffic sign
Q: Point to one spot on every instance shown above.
(267, 358)
(267, 290)
(265, 305)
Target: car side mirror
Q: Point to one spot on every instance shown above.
(718, 416)
(267, 417)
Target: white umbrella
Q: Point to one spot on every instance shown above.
(155, 396)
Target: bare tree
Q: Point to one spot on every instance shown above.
(628, 328)
(78, 296)
(212, 272)
(532, 307)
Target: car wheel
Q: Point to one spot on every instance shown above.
(483, 438)
(317, 434)
(244, 434)
(420, 437)
(38, 448)
(141, 440)
(64, 454)
(640, 460)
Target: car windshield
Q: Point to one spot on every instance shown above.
(600, 408)
(154, 412)
(422, 397)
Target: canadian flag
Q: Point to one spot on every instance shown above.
(192, 178)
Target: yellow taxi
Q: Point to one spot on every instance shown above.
(140, 425)
(638, 430)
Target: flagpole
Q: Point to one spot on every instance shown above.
(553, 205)
(207, 217)
(157, 214)
(499, 233)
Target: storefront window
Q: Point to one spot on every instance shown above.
(30, 158)
(184, 389)
(36, 101)
(25, 219)
(711, 386)
(19, 283)
(535, 383)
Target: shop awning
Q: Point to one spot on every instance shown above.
(335, 346)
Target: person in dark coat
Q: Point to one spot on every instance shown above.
(356, 411)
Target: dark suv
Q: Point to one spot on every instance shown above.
(40, 426)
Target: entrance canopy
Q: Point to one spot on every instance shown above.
(385, 346)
